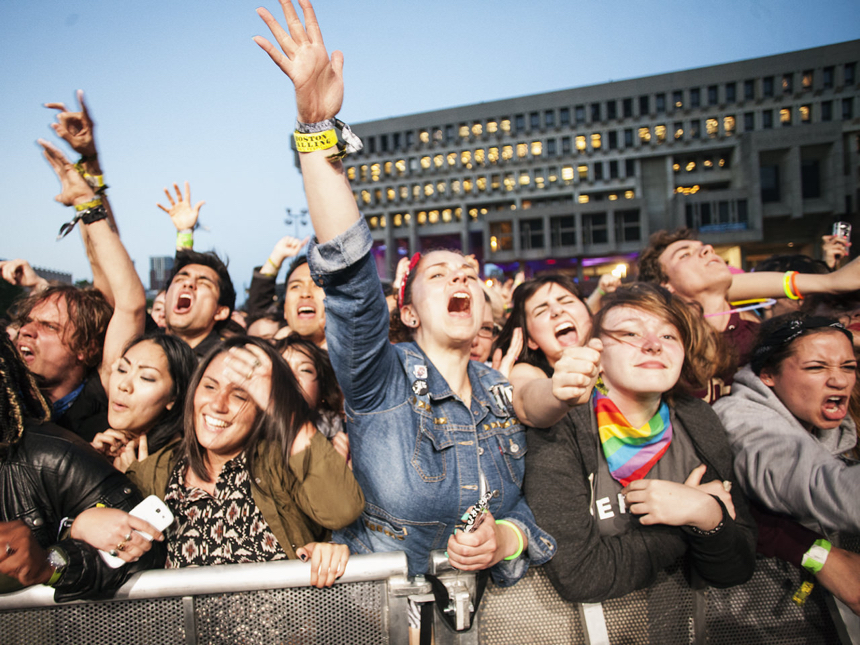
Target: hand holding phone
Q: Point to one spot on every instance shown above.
(154, 511)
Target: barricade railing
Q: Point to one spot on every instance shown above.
(272, 603)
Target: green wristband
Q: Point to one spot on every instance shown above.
(184, 240)
(519, 533)
(814, 559)
(58, 573)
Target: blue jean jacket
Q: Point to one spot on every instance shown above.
(417, 448)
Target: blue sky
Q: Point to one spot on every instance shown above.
(179, 91)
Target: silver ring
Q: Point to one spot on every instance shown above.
(727, 486)
(127, 537)
(9, 549)
(113, 552)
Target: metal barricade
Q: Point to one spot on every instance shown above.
(232, 604)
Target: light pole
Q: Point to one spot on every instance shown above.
(295, 219)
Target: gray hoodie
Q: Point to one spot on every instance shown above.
(784, 466)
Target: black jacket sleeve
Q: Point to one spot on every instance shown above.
(261, 294)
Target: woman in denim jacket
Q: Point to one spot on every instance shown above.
(430, 431)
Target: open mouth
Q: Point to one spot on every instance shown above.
(306, 311)
(26, 353)
(460, 303)
(183, 303)
(215, 424)
(566, 334)
(835, 408)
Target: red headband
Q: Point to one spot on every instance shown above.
(412, 264)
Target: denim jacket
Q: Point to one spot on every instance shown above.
(418, 450)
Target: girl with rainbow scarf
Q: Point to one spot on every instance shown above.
(641, 474)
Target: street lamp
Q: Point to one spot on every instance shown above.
(296, 219)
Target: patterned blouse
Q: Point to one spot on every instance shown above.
(226, 528)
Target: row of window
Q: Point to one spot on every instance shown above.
(630, 107)
(563, 231)
(537, 178)
(711, 127)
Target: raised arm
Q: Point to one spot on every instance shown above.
(318, 82)
(183, 215)
(771, 284)
(21, 274)
(78, 130)
(129, 312)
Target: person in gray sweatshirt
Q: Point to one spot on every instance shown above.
(788, 424)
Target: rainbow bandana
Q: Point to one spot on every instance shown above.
(631, 452)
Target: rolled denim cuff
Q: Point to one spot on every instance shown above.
(340, 253)
(541, 548)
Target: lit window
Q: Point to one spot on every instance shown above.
(629, 194)
(595, 141)
(425, 162)
(458, 213)
(397, 220)
(676, 167)
(391, 194)
(805, 114)
(506, 125)
(537, 148)
(509, 181)
(660, 132)
(785, 116)
(583, 199)
(382, 221)
(388, 166)
(540, 182)
(464, 131)
(416, 191)
(363, 170)
(428, 190)
(582, 171)
(645, 134)
(481, 183)
(567, 173)
(495, 181)
(467, 185)
(452, 158)
(477, 129)
(446, 215)
(404, 192)
(350, 173)
(373, 222)
(401, 166)
(438, 161)
(522, 150)
(424, 136)
(438, 135)
(729, 124)
(708, 164)
(807, 79)
(375, 169)
(466, 158)
(455, 186)
(712, 127)
(440, 187)
(722, 162)
(525, 179)
(613, 197)
(433, 217)
(365, 196)
(492, 127)
(580, 142)
(493, 155)
(507, 153)
(422, 217)
(679, 130)
(691, 166)
(480, 156)
(552, 175)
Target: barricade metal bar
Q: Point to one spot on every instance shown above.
(228, 578)
(591, 614)
(189, 620)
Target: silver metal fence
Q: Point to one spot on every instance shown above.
(271, 603)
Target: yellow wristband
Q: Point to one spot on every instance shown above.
(786, 285)
(315, 141)
(97, 201)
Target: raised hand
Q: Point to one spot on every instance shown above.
(182, 213)
(20, 273)
(75, 189)
(287, 247)
(576, 372)
(505, 364)
(75, 128)
(249, 368)
(318, 80)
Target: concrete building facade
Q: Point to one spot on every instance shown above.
(758, 155)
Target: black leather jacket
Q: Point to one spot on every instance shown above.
(51, 474)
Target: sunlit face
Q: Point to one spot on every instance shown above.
(815, 382)
(304, 306)
(305, 372)
(482, 344)
(447, 306)
(642, 353)
(224, 414)
(555, 319)
(42, 344)
(694, 268)
(158, 309)
(192, 301)
(139, 389)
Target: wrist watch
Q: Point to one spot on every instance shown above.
(59, 559)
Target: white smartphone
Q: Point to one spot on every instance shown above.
(154, 511)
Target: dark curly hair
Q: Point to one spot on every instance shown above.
(20, 397)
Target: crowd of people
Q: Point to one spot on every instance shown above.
(351, 418)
